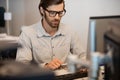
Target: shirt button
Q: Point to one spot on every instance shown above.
(51, 38)
(52, 46)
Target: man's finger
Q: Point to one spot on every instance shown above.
(57, 60)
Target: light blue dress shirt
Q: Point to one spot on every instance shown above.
(39, 46)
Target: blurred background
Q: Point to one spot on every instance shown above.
(25, 12)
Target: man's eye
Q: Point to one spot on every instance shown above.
(52, 12)
(61, 12)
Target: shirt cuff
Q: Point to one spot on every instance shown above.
(42, 65)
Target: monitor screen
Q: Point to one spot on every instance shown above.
(104, 32)
(98, 26)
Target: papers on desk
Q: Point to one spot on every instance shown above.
(64, 74)
(61, 72)
(85, 78)
(7, 41)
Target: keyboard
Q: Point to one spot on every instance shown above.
(70, 76)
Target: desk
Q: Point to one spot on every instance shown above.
(11, 70)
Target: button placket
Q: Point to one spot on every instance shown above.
(52, 47)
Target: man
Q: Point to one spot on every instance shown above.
(48, 42)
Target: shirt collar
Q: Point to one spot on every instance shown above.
(41, 32)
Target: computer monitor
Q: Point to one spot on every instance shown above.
(97, 27)
(104, 32)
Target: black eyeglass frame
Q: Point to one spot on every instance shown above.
(54, 13)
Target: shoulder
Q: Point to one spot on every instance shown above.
(29, 30)
(68, 29)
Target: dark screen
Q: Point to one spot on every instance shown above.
(2, 21)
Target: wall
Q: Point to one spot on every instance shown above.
(2, 3)
(17, 7)
(78, 12)
(31, 11)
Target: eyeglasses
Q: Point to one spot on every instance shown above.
(54, 13)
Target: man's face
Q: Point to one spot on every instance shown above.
(53, 21)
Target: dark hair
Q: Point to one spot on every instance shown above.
(46, 3)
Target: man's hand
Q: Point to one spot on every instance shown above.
(54, 64)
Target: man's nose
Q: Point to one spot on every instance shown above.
(57, 16)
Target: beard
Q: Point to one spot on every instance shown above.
(52, 23)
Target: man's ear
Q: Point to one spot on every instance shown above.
(41, 11)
